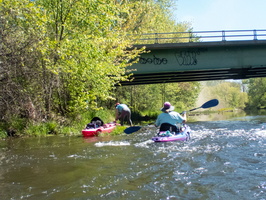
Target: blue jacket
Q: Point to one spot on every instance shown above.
(171, 118)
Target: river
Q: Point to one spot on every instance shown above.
(225, 159)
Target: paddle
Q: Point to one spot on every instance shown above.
(132, 129)
(208, 104)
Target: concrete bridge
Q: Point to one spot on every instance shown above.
(200, 56)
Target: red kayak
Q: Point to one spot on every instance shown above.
(95, 131)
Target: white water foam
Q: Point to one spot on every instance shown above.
(144, 144)
(112, 143)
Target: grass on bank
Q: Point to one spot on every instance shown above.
(72, 126)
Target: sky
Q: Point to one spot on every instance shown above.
(217, 15)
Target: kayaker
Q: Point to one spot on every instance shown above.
(169, 118)
(122, 112)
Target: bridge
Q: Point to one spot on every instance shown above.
(199, 56)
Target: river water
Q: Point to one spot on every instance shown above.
(225, 159)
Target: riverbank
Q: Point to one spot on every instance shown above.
(18, 127)
(68, 127)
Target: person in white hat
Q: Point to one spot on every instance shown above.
(169, 118)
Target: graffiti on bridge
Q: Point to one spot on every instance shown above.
(183, 58)
(187, 57)
(155, 60)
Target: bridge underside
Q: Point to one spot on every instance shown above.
(197, 75)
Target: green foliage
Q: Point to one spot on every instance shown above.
(61, 58)
(16, 125)
(228, 93)
(37, 130)
(118, 130)
(185, 95)
(20, 82)
(78, 123)
(86, 50)
(41, 129)
(69, 130)
(154, 17)
(3, 133)
(257, 92)
(52, 126)
(150, 98)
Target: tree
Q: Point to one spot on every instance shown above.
(61, 56)
(151, 97)
(154, 17)
(21, 79)
(87, 50)
(257, 92)
(230, 94)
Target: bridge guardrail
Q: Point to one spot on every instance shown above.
(200, 36)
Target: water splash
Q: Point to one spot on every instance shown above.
(112, 143)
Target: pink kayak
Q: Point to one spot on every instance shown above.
(167, 136)
(106, 128)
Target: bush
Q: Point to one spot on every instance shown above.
(3, 133)
(36, 129)
(41, 129)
